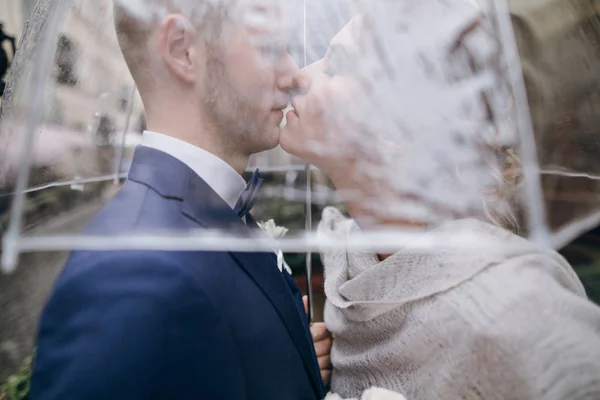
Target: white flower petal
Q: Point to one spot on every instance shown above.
(335, 396)
(376, 393)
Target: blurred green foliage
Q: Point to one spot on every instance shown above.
(584, 255)
(17, 386)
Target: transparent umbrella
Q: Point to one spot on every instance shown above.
(71, 119)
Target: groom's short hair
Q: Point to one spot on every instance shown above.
(135, 22)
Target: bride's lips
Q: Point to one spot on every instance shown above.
(291, 113)
(294, 109)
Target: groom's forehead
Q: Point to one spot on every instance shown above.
(268, 22)
(265, 15)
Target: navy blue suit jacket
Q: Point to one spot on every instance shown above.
(172, 325)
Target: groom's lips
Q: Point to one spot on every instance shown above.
(280, 109)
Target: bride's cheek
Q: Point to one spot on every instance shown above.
(318, 101)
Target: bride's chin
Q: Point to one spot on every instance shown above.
(290, 140)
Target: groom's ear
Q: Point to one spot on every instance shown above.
(177, 46)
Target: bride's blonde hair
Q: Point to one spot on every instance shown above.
(510, 178)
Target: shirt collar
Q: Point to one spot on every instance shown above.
(219, 175)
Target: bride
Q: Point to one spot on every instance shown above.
(406, 118)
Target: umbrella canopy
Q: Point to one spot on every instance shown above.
(425, 97)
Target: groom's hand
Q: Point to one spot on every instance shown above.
(323, 341)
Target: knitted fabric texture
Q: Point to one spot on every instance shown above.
(509, 322)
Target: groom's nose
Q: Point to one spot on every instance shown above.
(287, 70)
(304, 77)
(302, 83)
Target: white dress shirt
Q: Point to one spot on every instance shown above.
(219, 175)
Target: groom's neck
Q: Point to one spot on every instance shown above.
(202, 135)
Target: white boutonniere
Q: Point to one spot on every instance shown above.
(276, 232)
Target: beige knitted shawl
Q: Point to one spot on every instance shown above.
(513, 323)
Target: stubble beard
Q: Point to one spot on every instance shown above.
(236, 120)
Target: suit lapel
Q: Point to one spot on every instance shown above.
(263, 270)
(204, 206)
(173, 179)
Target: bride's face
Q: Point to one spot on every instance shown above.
(319, 128)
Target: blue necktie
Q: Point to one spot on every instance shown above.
(248, 197)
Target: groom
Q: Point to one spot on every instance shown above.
(185, 325)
